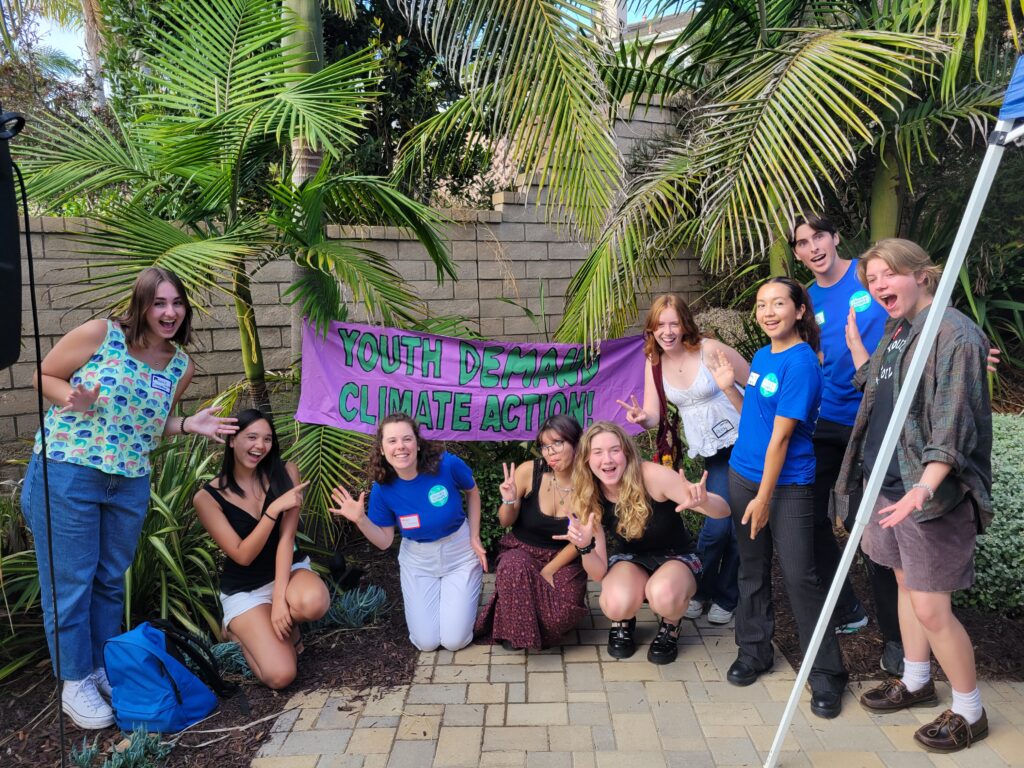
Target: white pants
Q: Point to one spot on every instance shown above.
(441, 588)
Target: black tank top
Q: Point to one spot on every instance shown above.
(245, 578)
(666, 531)
(532, 526)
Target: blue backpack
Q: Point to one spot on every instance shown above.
(151, 684)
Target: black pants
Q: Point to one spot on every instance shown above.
(790, 529)
(830, 441)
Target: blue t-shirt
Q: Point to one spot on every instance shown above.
(839, 400)
(426, 508)
(781, 384)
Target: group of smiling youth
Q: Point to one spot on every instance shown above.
(787, 441)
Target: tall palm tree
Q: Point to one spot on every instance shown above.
(202, 172)
(788, 98)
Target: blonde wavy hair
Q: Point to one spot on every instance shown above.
(632, 508)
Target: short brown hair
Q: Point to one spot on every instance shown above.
(691, 334)
(903, 256)
(133, 321)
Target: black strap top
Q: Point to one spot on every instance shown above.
(665, 534)
(532, 526)
(245, 578)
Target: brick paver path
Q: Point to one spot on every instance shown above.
(576, 707)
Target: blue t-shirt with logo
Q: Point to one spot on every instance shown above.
(426, 508)
(785, 384)
(839, 400)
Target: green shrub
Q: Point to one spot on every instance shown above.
(485, 459)
(999, 560)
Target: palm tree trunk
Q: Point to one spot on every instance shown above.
(886, 196)
(306, 159)
(252, 350)
(93, 48)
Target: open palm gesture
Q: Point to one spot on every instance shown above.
(347, 506)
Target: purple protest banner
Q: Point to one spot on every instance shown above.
(459, 389)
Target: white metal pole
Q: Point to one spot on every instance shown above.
(950, 272)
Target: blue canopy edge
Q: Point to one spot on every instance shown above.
(1013, 102)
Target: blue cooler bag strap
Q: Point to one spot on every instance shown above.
(186, 646)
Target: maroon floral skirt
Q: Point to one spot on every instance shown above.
(524, 609)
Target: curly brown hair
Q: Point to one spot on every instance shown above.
(428, 452)
(691, 335)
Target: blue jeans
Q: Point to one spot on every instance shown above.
(716, 543)
(97, 519)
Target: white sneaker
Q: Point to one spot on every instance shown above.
(718, 615)
(694, 609)
(82, 703)
(99, 677)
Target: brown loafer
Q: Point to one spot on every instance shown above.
(893, 695)
(950, 732)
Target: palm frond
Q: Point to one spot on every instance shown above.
(327, 457)
(530, 70)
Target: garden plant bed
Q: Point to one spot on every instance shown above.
(378, 655)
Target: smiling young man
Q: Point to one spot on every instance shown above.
(839, 298)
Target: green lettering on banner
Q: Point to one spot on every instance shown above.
(508, 421)
(431, 357)
(348, 340)
(577, 406)
(469, 363)
(367, 353)
(590, 368)
(460, 411)
(410, 344)
(568, 372)
(531, 403)
(347, 391)
(399, 401)
(423, 411)
(547, 370)
(390, 353)
(491, 363)
(492, 415)
(442, 398)
(519, 363)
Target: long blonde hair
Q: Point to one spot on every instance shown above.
(632, 508)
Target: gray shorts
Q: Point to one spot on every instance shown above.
(935, 556)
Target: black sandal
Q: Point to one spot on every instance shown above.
(665, 646)
(621, 644)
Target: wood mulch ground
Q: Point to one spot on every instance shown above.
(381, 655)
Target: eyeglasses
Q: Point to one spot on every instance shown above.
(555, 447)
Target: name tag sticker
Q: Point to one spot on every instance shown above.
(160, 383)
(752, 381)
(409, 522)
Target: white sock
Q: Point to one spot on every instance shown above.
(916, 674)
(967, 705)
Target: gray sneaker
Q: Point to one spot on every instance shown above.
(694, 609)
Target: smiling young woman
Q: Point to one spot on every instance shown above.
(113, 384)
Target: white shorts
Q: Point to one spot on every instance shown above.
(240, 602)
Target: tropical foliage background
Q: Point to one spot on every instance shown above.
(216, 138)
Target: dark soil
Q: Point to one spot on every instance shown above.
(998, 651)
(376, 655)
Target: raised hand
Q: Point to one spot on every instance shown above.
(290, 499)
(634, 413)
(721, 369)
(206, 422)
(350, 508)
(697, 492)
(80, 398)
(508, 489)
(580, 534)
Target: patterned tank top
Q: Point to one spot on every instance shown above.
(127, 419)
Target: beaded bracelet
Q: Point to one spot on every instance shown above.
(181, 425)
(931, 492)
(589, 548)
